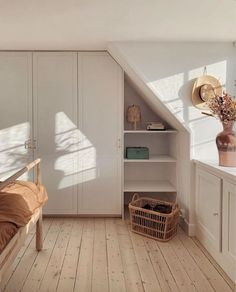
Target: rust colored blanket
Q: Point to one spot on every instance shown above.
(7, 231)
(18, 202)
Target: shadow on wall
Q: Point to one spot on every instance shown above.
(171, 70)
(13, 154)
(59, 146)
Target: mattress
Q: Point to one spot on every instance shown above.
(18, 202)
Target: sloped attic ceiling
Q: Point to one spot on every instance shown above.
(149, 97)
(138, 82)
(90, 24)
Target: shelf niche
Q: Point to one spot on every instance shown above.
(157, 175)
(131, 96)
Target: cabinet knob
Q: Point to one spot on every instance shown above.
(30, 144)
(119, 143)
(215, 214)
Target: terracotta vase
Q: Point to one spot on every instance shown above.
(226, 144)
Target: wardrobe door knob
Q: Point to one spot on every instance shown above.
(119, 143)
(30, 144)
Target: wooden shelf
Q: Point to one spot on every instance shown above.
(148, 132)
(154, 158)
(148, 186)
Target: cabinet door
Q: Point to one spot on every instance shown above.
(208, 209)
(229, 228)
(56, 132)
(15, 111)
(100, 100)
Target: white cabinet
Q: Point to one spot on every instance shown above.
(70, 103)
(229, 227)
(208, 208)
(15, 110)
(100, 100)
(55, 127)
(216, 216)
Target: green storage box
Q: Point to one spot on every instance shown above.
(137, 153)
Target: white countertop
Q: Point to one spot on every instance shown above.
(224, 172)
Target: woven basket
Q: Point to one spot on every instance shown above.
(150, 223)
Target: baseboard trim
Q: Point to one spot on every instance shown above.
(188, 228)
(215, 264)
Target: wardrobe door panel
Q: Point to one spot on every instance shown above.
(208, 209)
(100, 99)
(56, 132)
(15, 111)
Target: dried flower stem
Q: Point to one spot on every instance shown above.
(207, 114)
(223, 107)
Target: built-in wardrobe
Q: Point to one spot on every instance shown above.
(66, 108)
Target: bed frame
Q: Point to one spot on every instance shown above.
(11, 250)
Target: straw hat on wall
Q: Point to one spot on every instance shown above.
(205, 88)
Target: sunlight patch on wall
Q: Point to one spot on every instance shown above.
(165, 90)
(71, 142)
(168, 89)
(176, 92)
(13, 154)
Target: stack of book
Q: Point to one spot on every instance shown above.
(155, 126)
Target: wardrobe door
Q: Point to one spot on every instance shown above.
(15, 111)
(100, 98)
(56, 132)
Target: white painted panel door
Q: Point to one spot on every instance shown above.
(229, 228)
(208, 209)
(15, 111)
(100, 83)
(55, 114)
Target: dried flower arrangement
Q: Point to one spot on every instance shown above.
(223, 107)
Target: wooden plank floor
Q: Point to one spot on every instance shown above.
(102, 255)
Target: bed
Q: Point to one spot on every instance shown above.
(20, 210)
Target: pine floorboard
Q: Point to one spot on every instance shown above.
(103, 255)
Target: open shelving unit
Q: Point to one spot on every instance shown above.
(153, 158)
(156, 175)
(148, 186)
(167, 131)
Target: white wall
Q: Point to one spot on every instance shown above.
(169, 71)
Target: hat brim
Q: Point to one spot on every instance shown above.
(205, 79)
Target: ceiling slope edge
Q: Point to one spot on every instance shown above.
(149, 95)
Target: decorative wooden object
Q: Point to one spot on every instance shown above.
(134, 115)
(11, 250)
